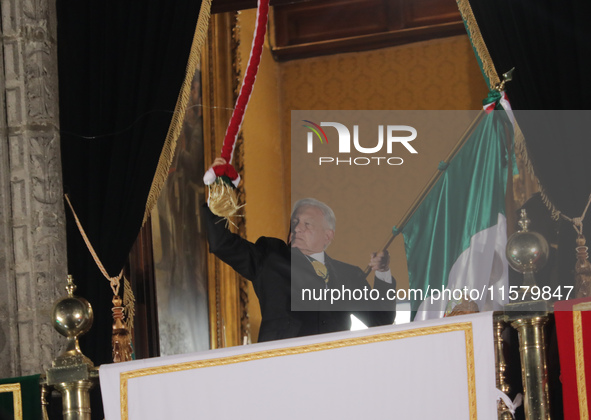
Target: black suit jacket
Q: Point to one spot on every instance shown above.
(270, 264)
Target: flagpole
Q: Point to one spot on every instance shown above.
(427, 189)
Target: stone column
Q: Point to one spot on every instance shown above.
(32, 222)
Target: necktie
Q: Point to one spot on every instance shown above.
(320, 269)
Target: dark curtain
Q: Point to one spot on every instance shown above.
(549, 44)
(121, 67)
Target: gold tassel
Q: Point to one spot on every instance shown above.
(129, 304)
(121, 339)
(223, 200)
(582, 269)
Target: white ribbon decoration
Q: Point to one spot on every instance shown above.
(511, 405)
(210, 177)
(507, 107)
(504, 101)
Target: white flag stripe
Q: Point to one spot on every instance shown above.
(480, 266)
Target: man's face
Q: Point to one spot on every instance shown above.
(308, 230)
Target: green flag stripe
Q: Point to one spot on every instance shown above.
(467, 199)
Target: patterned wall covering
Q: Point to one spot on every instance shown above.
(437, 74)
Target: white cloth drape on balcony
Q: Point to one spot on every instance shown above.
(438, 369)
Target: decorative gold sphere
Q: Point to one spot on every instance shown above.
(526, 251)
(72, 315)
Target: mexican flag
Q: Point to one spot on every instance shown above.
(455, 241)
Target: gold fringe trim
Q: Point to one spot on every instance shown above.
(521, 149)
(490, 71)
(128, 304)
(478, 42)
(580, 365)
(176, 124)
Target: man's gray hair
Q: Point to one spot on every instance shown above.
(329, 216)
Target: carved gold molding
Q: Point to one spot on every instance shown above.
(227, 302)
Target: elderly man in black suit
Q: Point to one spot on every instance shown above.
(295, 282)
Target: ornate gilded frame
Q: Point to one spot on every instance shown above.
(228, 298)
(17, 399)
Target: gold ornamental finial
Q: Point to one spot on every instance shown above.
(507, 77)
(72, 316)
(70, 287)
(524, 222)
(72, 373)
(526, 251)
